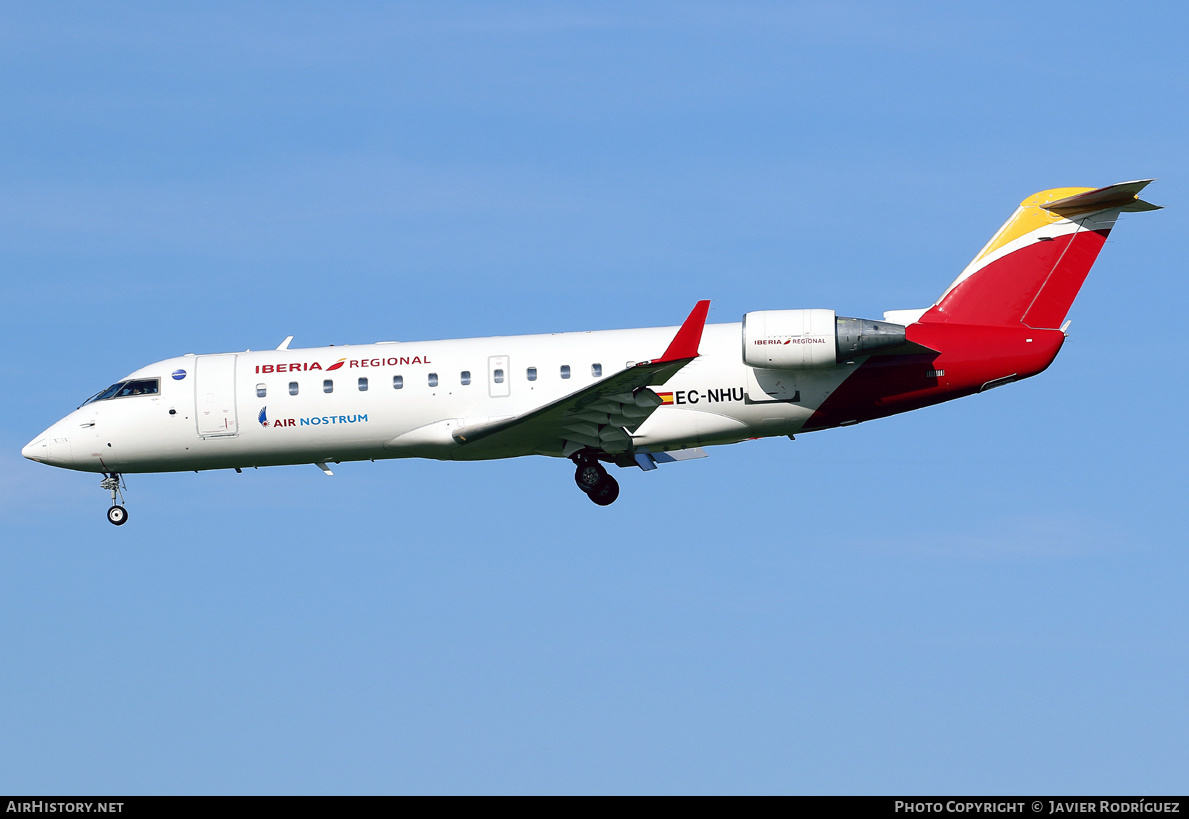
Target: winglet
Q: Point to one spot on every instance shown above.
(685, 343)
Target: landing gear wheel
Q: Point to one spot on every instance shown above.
(111, 482)
(589, 475)
(606, 492)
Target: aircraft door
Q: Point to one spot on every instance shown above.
(214, 396)
(499, 376)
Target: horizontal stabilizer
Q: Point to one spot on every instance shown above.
(1124, 195)
(1139, 206)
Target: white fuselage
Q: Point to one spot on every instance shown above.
(395, 400)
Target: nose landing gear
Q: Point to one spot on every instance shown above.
(116, 514)
(593, 479)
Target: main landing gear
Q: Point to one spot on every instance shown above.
(116, 514)
(593, 479)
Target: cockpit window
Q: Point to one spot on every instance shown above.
(103, 395)
(126, 389)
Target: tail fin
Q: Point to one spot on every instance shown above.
(1031, 270)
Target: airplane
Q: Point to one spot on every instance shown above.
(628, 398)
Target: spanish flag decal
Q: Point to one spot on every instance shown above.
(666, 398)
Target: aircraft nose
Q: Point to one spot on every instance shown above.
(35, 450)
(51, 447)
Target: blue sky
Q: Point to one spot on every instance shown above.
(981, 597)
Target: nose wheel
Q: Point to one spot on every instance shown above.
(593, 479)
(117, 514)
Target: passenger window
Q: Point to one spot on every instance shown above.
(596, 370)
(433, 379)
(465, 378)
(531, 373)
(565, 370)
(363, 385)
(328, 386)
(293, 388)
(261, 390)
(398, 382)
(497, 376)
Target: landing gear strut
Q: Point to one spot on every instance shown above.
(593, 479)
(116, 514)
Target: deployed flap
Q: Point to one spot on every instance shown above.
(648, 460)
(674, 455)
(601, 416)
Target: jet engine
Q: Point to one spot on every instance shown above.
(812, 339)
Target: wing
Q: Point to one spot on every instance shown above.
(599, 417)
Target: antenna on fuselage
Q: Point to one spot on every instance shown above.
(284, 345)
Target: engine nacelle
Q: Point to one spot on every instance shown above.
(789, 339)
(812, 339)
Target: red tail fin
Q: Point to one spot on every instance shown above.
(1031, 270)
